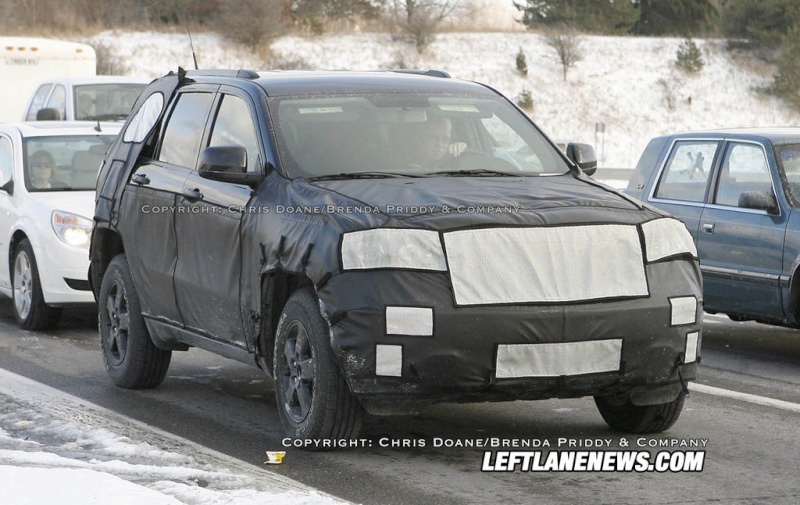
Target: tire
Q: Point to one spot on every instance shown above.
(130, 357)
(30, 310)
(622, 415)
(313, 399)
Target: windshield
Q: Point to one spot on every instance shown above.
(408, 135)
(105, 102)
(68, 163)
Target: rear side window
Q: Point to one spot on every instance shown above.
(686, 174)
(184, 131)
(38, 101)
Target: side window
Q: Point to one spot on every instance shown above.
(6, 160)
(58, 101)
(38, 101)
(744, 169)
(184, 131)
(234, 126)
(686, 173)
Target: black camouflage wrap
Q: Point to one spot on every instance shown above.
(297, 227)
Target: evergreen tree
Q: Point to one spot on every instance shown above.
(759, 23)
(689, 57)
(595, 16)
(673, 17)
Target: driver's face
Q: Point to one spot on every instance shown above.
(433, 141)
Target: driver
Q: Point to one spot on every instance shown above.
(432, 143)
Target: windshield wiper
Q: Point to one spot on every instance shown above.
(475, 171)
(361, 175)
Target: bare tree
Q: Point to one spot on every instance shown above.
(419, 19)
(252, 22)
(567, 49)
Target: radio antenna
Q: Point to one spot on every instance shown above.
(191, 44)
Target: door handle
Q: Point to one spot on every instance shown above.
(141, 179)
(192, 194)
(708, 228)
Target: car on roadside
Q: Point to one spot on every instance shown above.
(92, 98)
(738, 192)
(48, 172)
(299, 221)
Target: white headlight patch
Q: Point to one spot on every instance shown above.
(393, 248)
(555, 360)
(667, 237)
(556, 264)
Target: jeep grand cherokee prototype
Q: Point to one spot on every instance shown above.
(286, 219)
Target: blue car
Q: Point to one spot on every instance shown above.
(738, 193)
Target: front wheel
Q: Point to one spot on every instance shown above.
(314, 401)
(30, 310)
(130, 357)
(620, 414)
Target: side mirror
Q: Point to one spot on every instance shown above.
(584, 156)
(8, 187)
(759, 200)
(226, 164)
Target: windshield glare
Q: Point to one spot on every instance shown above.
(68, 163)
(408, 134)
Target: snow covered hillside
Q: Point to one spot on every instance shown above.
(623, 91)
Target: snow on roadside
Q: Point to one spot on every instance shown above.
(56, 449)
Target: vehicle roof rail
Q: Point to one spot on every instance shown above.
(429, 72)
(222, 72)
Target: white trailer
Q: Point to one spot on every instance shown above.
(25, 62)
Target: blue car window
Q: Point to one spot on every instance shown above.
(744, 169)
(686, 173)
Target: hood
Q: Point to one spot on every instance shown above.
(450, 202)
(75, 202)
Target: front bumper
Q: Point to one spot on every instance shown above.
(62, 269)
(402, 342)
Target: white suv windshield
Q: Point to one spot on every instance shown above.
(106, 101)
(408, 134)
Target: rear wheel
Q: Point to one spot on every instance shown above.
(622, 415)
(130, 357)
(313, 398)
(30, 310)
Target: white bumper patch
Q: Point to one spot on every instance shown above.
(692, 346)
(555, 360)
(683, 310)
(558, 264)
(416, 321)
(388, 360)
